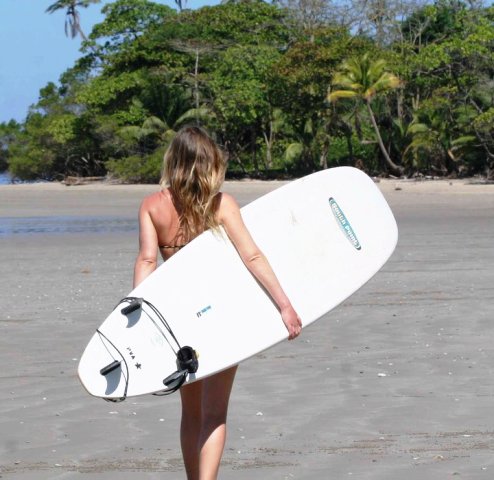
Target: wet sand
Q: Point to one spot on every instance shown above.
(396, 383)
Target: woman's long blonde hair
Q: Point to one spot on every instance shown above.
(194, 170)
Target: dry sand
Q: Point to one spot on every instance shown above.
(396, 383)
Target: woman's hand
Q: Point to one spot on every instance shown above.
(292, 322)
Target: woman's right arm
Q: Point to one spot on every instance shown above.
(253, 258)
(146, 260)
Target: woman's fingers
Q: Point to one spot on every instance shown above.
(292, 322)
(295, 330)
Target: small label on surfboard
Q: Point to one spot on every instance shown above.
(344, 224)
(131, 354)
(200, 313)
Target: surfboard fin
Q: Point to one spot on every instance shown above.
(174, 381)
(187, 362)
(134, 305)
(110, 367)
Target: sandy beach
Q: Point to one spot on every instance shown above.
(396, 383)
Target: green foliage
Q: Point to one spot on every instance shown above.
(246, 22)
(301, 77)
(363, 155)
(62, 128)
(260, 83)
(126, 20)
(239, 84)
(104, 91)
(433, 23)
(362, 79)
(31, 156)
(138, 169)
(9, 134)
(485, 122)
(32, 164)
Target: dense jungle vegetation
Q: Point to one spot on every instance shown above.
(396, 87)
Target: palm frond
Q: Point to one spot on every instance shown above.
(336, 95)
(293, 152)
(387, 81)
(309, 127)
(464, 140)
(376, 68)
(278, 119)
(154, 124)
(57, 6)
(195, 114)
(130, 132)
(417, 128)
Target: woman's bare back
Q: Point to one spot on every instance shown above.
(166, 221)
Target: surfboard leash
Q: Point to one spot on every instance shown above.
(187, 361)
(113, 366)
(135, 303)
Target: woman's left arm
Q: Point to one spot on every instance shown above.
(254, 259)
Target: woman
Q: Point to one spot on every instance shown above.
(190, 202)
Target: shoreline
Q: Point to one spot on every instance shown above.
(386, 183)
(109, 199)
(99, 209)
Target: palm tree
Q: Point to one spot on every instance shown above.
(155, 132)
(72, 17)
(435, 139)
(181, 4)
(363, 79)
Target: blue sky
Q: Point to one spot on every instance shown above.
(34, 49)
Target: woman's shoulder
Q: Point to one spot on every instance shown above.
(228, 206)
(153, 200)
(227, 202)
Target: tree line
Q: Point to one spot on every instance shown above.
(394, 87)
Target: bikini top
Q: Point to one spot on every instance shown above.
(169, 247)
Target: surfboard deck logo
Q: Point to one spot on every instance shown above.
(344, 224)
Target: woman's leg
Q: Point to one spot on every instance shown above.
(190, 427)
(215, 397)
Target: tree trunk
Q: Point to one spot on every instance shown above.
(326, 143)
(84, 37)
(253, 147)
(268, 140)
(81, 33)
(196, 83)
(399, 104)
(358, 126)
(348, 132)
(490, 170)
(397, 170)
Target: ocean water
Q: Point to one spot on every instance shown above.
(4, 178)
(53, 225)
(56, 225)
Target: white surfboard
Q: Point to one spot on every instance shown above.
(325, 236)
